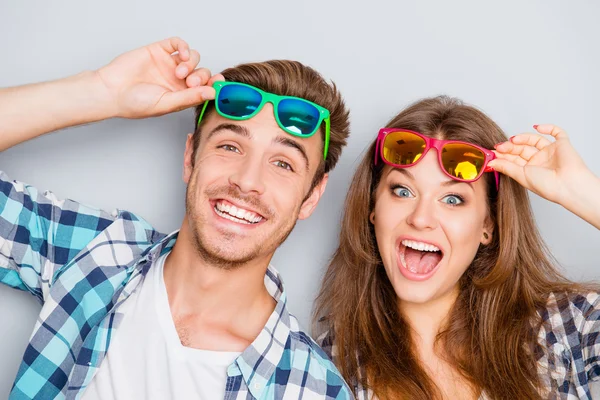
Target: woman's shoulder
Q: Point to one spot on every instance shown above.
(570, 339)
(571, 304)
(326, 340)
(568, 313)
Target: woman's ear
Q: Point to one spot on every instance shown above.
(488, 230)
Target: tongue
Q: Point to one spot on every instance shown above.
(420, 262)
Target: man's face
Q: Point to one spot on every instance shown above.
(247, 185)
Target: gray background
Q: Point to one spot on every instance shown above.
(521, 62)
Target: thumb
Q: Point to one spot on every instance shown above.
(182, 99)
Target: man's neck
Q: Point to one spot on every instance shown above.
(218, 308)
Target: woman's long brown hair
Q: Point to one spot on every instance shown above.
(491, 339)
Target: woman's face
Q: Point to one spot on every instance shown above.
(428, 229)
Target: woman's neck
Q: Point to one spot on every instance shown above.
(426, 320)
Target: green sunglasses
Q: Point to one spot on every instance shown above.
(296, 116)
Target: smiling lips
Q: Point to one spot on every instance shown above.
(417, 257)
(229, 211)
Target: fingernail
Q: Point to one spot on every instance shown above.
(535, 126)
(185, 53)
(194, 81)
(181, 71)
(511, 138)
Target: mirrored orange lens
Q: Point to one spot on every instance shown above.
(462, 161)
(403, 148)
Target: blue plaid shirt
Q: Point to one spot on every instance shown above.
(83, 263)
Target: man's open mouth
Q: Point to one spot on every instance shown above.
(225, 209)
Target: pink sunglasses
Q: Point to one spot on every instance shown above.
(461, 161)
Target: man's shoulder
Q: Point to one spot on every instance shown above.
(304, 354)
(133, 228)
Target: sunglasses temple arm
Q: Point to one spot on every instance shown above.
(327, 133)
(497, 176)
(202, 113)
(376, 150)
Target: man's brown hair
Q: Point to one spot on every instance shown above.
(292, 78)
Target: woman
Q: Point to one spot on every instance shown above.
(441, 286)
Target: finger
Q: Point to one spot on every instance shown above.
(176, 58)
(182, 99)
(199, 77)
(510, 169)
(523, 151)
(531, 139)
(549, 129)
(184, 68)
(216, 78)
(183, 50)
(176, 44)
(512, 158)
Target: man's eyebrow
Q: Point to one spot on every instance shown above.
(286, 141)
(240, 130)
(243, 131)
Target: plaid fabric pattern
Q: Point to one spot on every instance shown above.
(82, 264)
(570, 339)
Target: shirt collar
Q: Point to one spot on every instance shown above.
(258, 362)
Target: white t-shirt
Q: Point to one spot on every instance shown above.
(146, 359)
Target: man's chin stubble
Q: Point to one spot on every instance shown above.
(221, 261)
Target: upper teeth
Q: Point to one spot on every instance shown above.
(240, 215)
(419, 245)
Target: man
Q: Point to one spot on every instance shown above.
(131, 313)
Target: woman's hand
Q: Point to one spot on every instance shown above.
(551, 169)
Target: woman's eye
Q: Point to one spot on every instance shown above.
(401, 191)
(229, 147)
(452, 200)
(283, 164)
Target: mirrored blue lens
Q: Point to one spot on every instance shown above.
(297, 116)
(238, 101)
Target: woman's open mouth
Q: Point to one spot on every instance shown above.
(418, 260)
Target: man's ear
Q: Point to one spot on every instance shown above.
(311, 202)
(188, 164)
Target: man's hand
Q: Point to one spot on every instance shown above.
(157, 79)
(150, 81)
